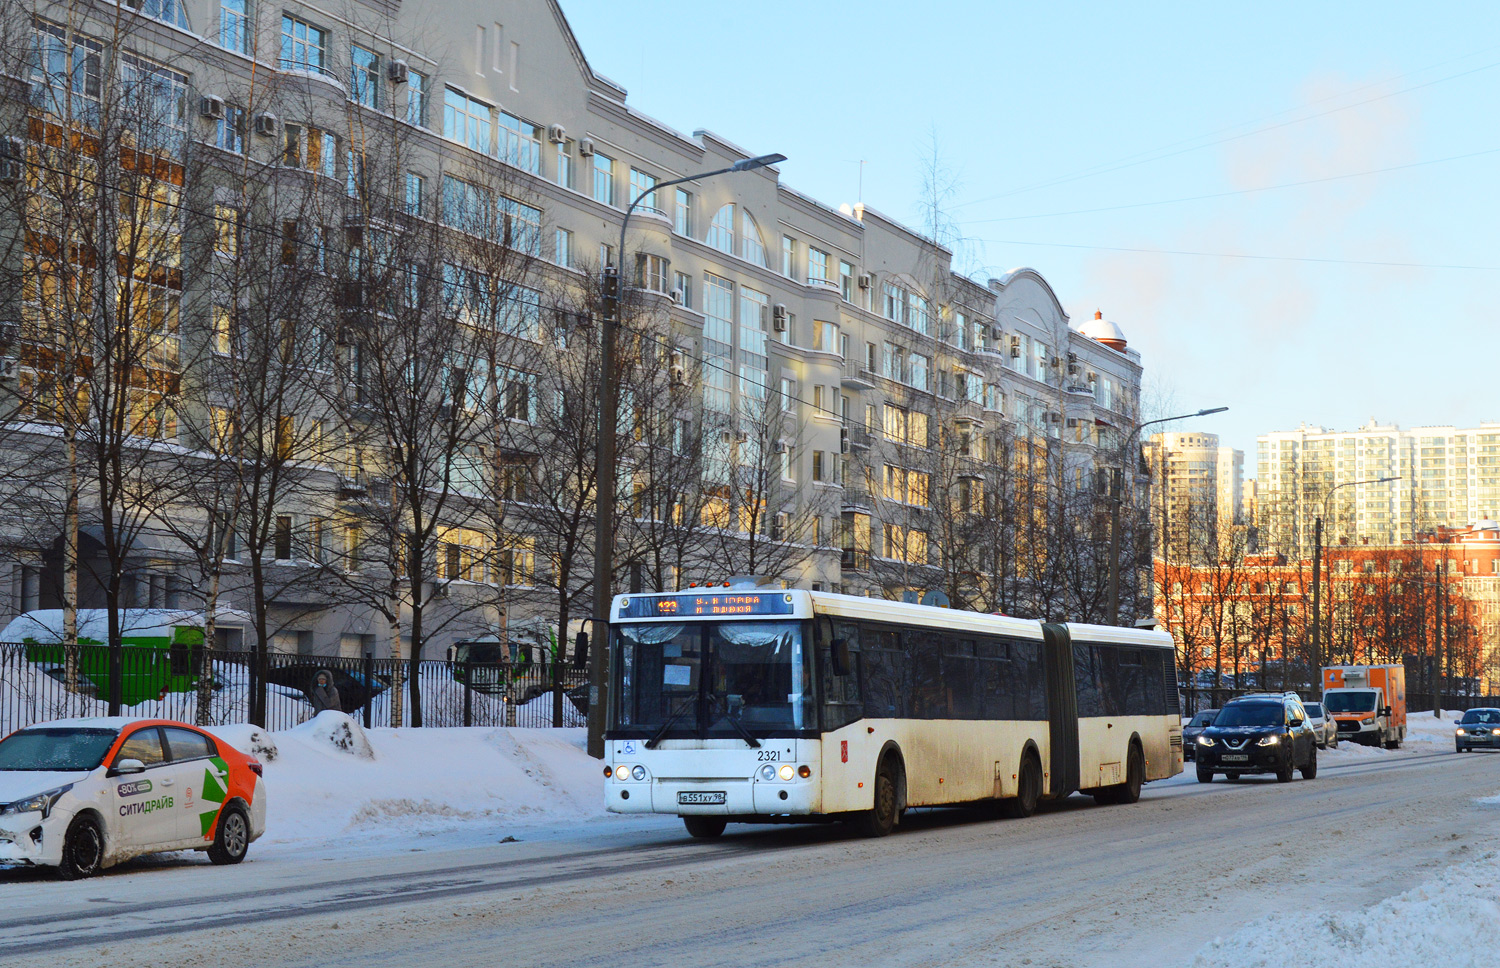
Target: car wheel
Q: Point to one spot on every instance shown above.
(880, 819)
(1311, 769)
(1285, 770)
(1028, 790)
(1205, 775)
(704, 828)
(1393, 744)
(232, 839)
(83, 849)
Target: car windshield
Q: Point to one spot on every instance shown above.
(1357, 701)
(1251, 714)
(56, 750)
(1204, 718)
(1313, 709)
(1482, 716)
(713, 678)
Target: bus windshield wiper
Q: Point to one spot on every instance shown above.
(742, 730)
(651, 743)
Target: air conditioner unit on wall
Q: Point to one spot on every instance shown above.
(557, 134)
(585, 146)
(9, 368)
(866, 280)
(679, 375)
(211, 106)
(779, 318)
(397, 71)
(1015, 347)
(677, 297)
(266, 125)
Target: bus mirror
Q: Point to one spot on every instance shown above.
(840, 656)
(581, 650)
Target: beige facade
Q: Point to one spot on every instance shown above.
(852, 327)
(1195, 480)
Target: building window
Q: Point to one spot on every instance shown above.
(234, 26)
(752, 248)
(303, 46)
(818, 469)
(604, 178)
(894, 304)
(682, 215)
(416, 99)
(961, 331)
(416, 195)
(917, 315)
(466, 120)
(651, 272)
(564, 164)
(721, 229)
(789, 257)
(826, 336)
(917, 369)
(520, 143)
(817, 266)
(522, 228)
(160, 97)
(229, 133)
(283, 537)
(563, 251)
(364, 76)
(311, 149)
(683, 283)
(643, 187)
(846, 281)
(227, 224)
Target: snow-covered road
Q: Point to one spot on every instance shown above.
(1076, 885)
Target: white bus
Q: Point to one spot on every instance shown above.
(772, 706)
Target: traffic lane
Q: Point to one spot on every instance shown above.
(950, 882)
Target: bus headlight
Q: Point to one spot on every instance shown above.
(639, 772)
(787, 772)
(622, 772)
(768, 772)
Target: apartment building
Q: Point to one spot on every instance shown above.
(1442, 477)
(1195, 480)
(865, 359)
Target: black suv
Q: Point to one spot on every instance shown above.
(1260, 734)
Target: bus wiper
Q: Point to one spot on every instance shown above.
(740, 728)
(651, 743)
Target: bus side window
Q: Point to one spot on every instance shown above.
(1112, 685)
(841, 705)
(884, 675)
(997, 678)
(1090, 702)
(929, 699)
(1031, 682)
(961, 671)
(1154, 700)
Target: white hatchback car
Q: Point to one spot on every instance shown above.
(83, 794)
(1324, 726)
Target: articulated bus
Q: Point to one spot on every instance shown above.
(755, 705)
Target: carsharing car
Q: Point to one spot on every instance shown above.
(1266, 734)
(81, 795)
(1479, 729)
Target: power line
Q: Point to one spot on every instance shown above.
(1243, 255)
(1239, 191)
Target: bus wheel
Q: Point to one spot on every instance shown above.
(1028, 790)
(879, 821)
(1135, 776)
(704, 828)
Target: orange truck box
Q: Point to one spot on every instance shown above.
(1367, 702)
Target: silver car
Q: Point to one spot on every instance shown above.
(1324, 726)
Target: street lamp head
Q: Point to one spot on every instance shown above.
(1204, 413)
(750, 164)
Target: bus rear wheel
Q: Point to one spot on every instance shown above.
(1135, 776)
(704, 828)
(881, 818)
(1028, 790)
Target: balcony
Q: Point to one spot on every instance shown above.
(857, 376)
(853, 559)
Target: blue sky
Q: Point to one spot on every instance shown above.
(1046, 113)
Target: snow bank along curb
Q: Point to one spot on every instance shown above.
(330, 778)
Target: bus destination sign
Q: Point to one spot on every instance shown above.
(707, 604)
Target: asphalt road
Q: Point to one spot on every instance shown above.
(1076, 885)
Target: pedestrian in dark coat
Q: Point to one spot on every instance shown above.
(325, 695)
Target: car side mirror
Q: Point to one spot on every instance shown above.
(839, 654)
(1386, 711)
(127, 767)
(1297, 722)
(1457, 722)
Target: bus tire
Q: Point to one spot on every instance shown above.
(704, 828)
(880, 819)
(1028, 789)
(1135, 776)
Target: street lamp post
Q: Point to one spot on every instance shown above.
(1116, 487)
(1317, 643)
(604, 454)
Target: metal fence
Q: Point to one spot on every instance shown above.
(44, 682)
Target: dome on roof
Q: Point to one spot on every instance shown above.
(1103, 331)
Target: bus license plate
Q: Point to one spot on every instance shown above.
(1236, 758)
(701, 796)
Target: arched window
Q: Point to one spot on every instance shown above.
(752, 247)
(721, 229)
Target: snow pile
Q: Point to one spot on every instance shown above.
(1452, 920)
(331, 778)
(247, 739)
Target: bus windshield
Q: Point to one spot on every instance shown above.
(719, 679)
(1358, 701)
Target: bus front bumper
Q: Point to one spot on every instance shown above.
(721, 798)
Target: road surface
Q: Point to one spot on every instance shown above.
(1076, 885)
